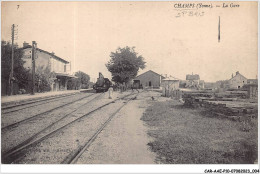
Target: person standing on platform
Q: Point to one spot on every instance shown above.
(110, 93)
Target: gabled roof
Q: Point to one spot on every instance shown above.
(237, 75)
(147, 72)
(51, 54)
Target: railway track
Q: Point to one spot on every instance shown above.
(31, 102)
(72, 158)
(5, 128)
(9, 156)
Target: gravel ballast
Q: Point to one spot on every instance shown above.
(63, 143)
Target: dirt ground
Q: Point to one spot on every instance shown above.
(145, 131)
(125, 139)
(195, 136)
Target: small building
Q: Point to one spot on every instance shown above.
(169, 86)
(237, 81)
(48, 62)
(149, 79)
(193, 81)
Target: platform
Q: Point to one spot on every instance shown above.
(6, 100)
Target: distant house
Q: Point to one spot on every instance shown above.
(193, 81)
(45, 60)
(237, 81)
(149, 79)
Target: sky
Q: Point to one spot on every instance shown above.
(85, 33)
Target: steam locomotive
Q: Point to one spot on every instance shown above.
(102, 84)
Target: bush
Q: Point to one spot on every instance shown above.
(42, 79)
(82, 82)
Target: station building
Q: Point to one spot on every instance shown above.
(44, 61)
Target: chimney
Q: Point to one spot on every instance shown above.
(232, 75)
(25, 44)
(237, 72)
(52, 53)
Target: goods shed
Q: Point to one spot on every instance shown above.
(149, 79)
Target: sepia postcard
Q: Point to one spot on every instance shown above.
(135, 83)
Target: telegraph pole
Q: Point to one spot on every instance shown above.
(219, 29)
(11, 78)
(12, 62)
(33, 67)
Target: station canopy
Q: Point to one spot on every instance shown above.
(65, 75)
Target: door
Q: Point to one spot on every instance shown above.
(150, 83)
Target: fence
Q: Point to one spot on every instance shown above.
(174, 94)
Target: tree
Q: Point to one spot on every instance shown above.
(21, 75)
(83, 79)
(81, 82)
(125, 64)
